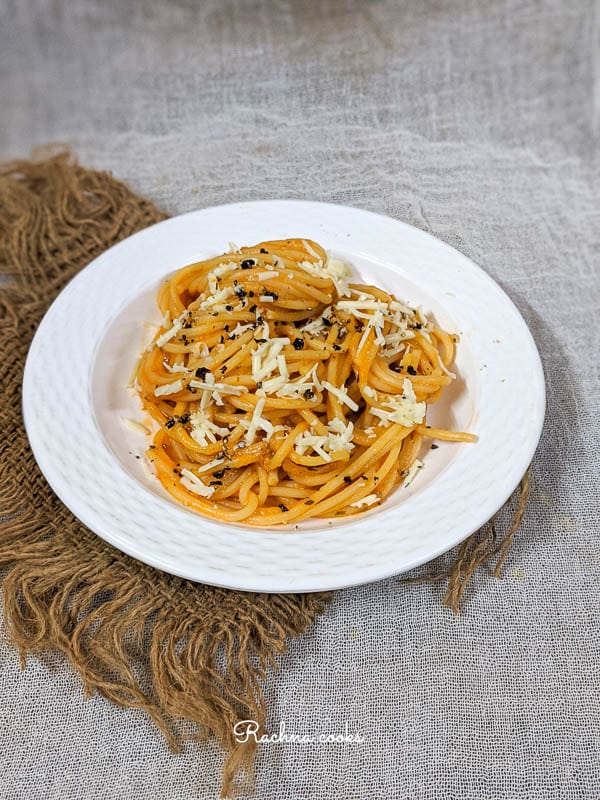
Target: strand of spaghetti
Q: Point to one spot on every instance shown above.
(444, 435)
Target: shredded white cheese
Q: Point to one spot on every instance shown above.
(444, 368)
(168, 335)
(217, 462)
(135, 427)
(412, 472)
(337, 271)
(204, 430)
(193, 484)
(264, 357)
(175, 367)
(402, 409)
(169, 388)
(310, 250)
(337, 439)
(239, 329)
(341, 394)
(217, 296)
(256, 419)
(222, 388)
(223, 269)
(369, 500)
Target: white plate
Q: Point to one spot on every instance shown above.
(74, 397)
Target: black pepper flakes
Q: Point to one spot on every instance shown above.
(434, 447)
(299, 323)
(252, 309)
(219, 474)
(347, 479)
(337, 347)
(248, 263)
(309, 502)
(411, 370)
(262, 250)
(215, 483)
(269, 293)
(228, 308)
(327, 322)
(282, 507)
(308, 394)
(298, 344)
(169, 423)
(202, 372)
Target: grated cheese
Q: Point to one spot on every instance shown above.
(217, 296)
(223, 269)
(337, 271)
(204, 430)
(223, 388)
(264, 357)
(217, 462)
(337, 439)
(169, 388)
(135, 427)
(256, 419)
(175, 367)
(239, 329)
(168, 335)
(310, 250)
(341, 394)
(194, 484)
(402, 409)
(412, 472)
(445, 369)
(369, 500)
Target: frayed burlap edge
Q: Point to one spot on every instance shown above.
(139, 637)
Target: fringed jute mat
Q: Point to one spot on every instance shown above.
(142, 638)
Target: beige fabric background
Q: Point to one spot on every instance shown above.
(476, 120)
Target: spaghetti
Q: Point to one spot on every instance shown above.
(282, 391)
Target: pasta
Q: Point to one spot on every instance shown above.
(281, 391)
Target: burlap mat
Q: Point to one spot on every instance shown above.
(142, 638)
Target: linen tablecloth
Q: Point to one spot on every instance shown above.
(476, 120)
